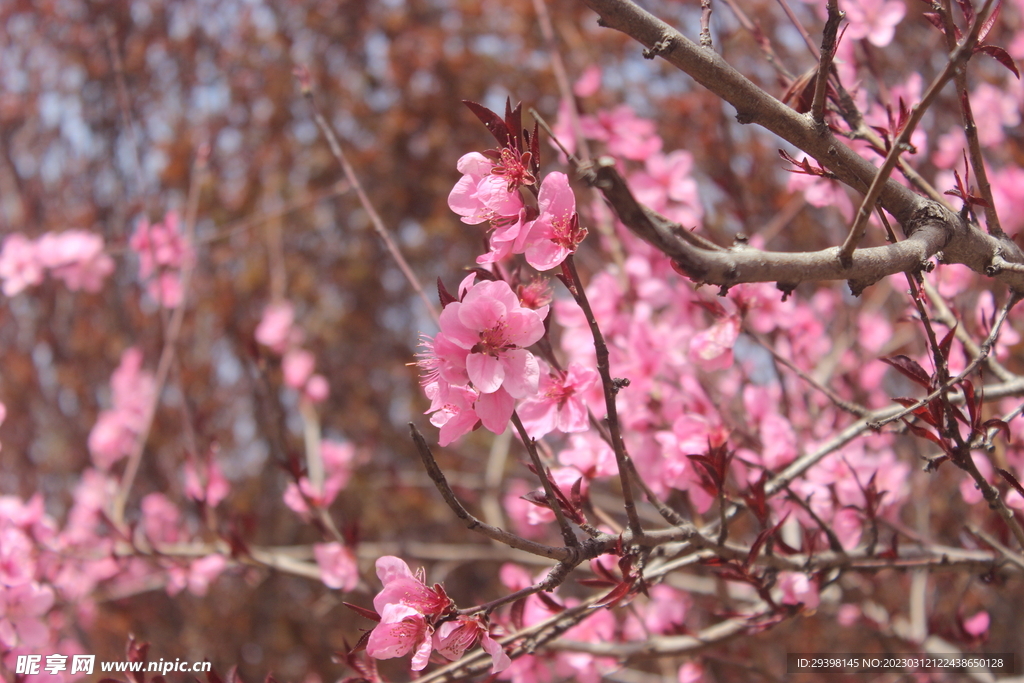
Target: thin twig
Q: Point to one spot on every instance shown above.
(840, 402)
(472, 523)
(971, 130)
(957, 58)
(568, 535)
(611, 388)
(828, 51)
(983, 352)
(1010, 556)
(705, 25)
(811, 47)
(170, 341)
(378, 225)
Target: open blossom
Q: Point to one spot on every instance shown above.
(276, 328)
(495, 327)
(453, 638)
(74, 256)
(20, 266)
(338, 568)
(338, 460)
(407, 607)
(401, 630)
(559, 403)
(556, 233)
(22, 609)
(477, 365)
(480, 195)
(488, 193)
(625, 134)
(402, 586)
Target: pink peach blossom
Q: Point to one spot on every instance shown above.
(559, 403)
(20, 265)
(555, 233)
(338, 568)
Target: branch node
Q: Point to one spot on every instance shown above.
(660, 48)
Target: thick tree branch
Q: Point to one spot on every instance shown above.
(932, 229)
(930, 226)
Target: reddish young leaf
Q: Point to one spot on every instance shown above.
(615, 595)
(493, 122)
(756, 501)
(924, 412)
(925, 434)
(947, 342)
(967, 7)
(893, 553)
(550, 603)
(755, 548)
(999, 424)
(989, 22)
(444, 295)
(909, 368)
(1012, 480)
(516, 613)
(1001, 56)
(362, 611)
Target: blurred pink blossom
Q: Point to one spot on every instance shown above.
(20, 266)
(875, 20)
(116, 431)
(276, 327)
(163, 253)
(76, 257)
(338, 568)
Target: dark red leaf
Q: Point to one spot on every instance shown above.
(513, 120)
(603, 572)
(755, 548)
(493, 122)
(756, 499)
(1001, 56)
(516, 613)
(973, 404)
(990, 22)
(935, 20)
(550, 603)
(947, 342)
(615, 595)
(893, 553)
(444, 295)
(1012, 480)
(362, 611)
(923, 412)
(597, 583)
(925, 434)
(909, 368)
(967, 7)
(1000, 424)
(535, 150)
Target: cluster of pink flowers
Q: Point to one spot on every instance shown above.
(133, 391)
(75, 257)
(545, 239)
(477, 365)
(418, 618)
(163, 253)
(278, 332)
(338, 459)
